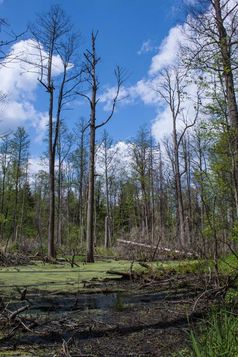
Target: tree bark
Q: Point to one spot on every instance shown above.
(91, 181)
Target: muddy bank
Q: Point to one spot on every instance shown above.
(126, 319)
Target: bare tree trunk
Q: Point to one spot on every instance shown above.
(91, 181)
(187, 163)
(178, 189)
(152, 192)
(59, 205)
(108, 215)
(51, 227)
(91, 61)
(59, 190)
(53, 33)
(81, 181)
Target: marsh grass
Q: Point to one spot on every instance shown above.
(217, 337)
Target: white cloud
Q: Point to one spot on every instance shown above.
(41, 126)
(35, 165)
(168, 51)
(19, 81)
(123, 156)
(122, 159)
(162, 124)
(32, 55)
(145, 88)
(147, 46)
(126, 96)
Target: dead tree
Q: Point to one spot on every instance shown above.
(53, 37)
(91, 61)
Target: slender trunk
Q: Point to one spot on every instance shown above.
(90, 210)
(161, 198)
(81, 180)
(91, 173)
(178, 189)
(59, 215)
(187, 160)
(51, 227)
(152, 194)
(108, 215)
(59, 194)
(202, 198)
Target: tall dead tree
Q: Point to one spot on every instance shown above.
(55, 40)
(91, 61)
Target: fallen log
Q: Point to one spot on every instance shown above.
(124, 275)
(162, 249)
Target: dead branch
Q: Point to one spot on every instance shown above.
(14, 314)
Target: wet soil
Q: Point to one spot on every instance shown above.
(127, 318)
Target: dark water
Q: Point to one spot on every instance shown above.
(58, 304)
(104, 308)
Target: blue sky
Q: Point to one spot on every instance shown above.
(132, 33)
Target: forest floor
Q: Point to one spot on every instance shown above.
(55, 310)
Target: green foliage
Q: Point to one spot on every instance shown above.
(73, 236)
(234, 232)
(106, 252)
(182, 266)
(218, 336)
(232, 297)
(3, 219)
(228, 264)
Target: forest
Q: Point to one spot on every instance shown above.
(122, 248)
